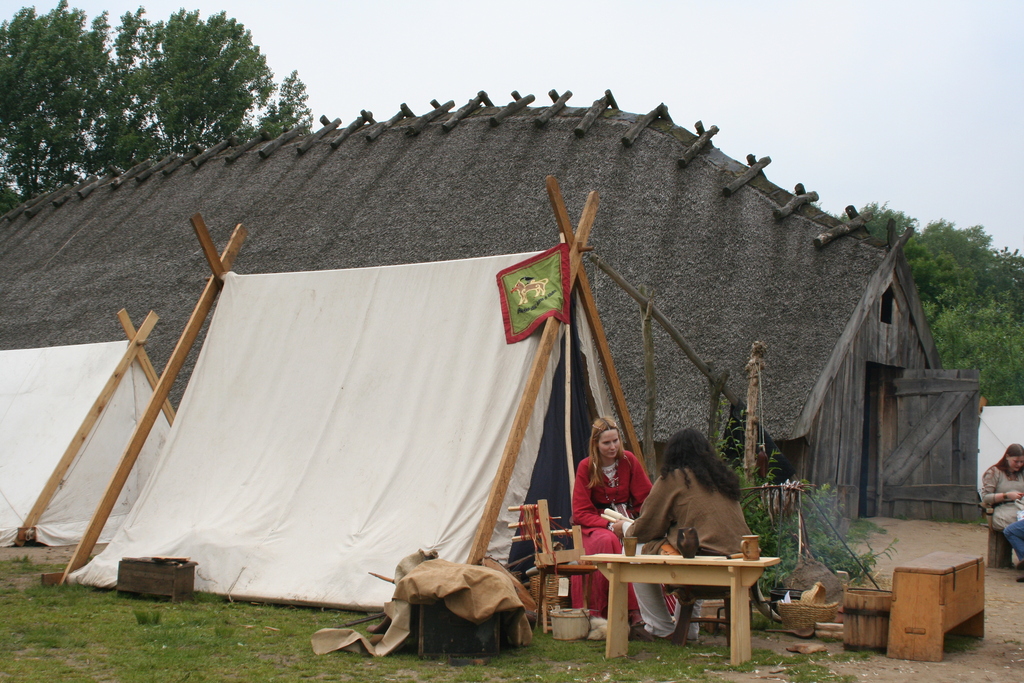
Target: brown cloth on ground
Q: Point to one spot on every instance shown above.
(469, 591)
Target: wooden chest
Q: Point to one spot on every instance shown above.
(173, 577)
(934, 595)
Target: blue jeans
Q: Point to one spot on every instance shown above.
(1015, 535)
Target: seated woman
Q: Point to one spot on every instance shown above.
(695, 489)
(1002, 485)
(609, 477)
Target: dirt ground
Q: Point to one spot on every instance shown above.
(999, 657)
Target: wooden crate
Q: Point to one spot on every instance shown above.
(936, 594)
(172, 577)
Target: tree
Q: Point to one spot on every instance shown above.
(74, 101)
(289, 109)
(51, 74)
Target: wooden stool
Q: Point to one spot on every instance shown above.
(936, 594)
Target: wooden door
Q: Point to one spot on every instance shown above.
(931, 472)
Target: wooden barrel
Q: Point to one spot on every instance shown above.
(866, 619)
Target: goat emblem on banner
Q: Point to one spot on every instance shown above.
(534, 290)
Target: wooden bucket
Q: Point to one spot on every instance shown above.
(866, 619)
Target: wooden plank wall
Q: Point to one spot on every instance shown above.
(834, 444)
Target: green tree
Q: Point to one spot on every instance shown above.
(51, 74)
(206, 78)
(289, 109)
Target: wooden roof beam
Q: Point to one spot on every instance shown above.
(61, 199)
(281, 139)
(856, 221)
(599, 105)
(181, 161)
(404, 112)
(703, 138)
(214, 151)
(241, 149)
(659, 112)
(756, 166)
(559, 104)
(466, 110)
(515, 106)
(328, 126)
(365, 118)
(417, 126)
(800, 197)
(163, 163)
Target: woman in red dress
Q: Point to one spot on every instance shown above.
(609, 478)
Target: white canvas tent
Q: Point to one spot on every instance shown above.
(335, 422)
(45, 395)
(999, 427)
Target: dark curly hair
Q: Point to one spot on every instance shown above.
(688, 449)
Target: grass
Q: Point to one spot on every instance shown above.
(74, 633)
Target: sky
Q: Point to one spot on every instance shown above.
(918, 103)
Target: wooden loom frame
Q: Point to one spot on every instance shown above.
(577, 241)
(219, 264)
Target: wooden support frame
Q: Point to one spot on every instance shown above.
(577, 241)
(161, 390)
(136, 339)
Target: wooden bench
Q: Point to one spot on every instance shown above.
(936, 594)
(1000, 554)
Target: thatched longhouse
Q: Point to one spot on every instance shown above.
(842, 322)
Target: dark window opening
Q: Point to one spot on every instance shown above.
(887, 306)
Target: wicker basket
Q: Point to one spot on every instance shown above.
(803, 615)
(551, 591)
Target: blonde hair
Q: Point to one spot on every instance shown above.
(600, 426)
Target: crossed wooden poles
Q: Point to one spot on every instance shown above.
(219, 264)
(577, 241)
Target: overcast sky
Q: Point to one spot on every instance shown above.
(919, 104)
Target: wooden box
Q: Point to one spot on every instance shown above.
(934, 595)
(173, 577)
(444, 634)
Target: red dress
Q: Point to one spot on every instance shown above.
(631, 488)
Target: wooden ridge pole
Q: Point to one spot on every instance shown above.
(147, 365)
(160, 392)
(135, 342)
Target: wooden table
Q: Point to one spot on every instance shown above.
(704, 570)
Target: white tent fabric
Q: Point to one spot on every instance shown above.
(337, 421)
(998, 428)
(45, 394)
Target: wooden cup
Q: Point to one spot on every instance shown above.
(629, 546)
(750, 546)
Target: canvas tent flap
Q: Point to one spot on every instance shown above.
(335, 422)
(998, 428)
(44, 396)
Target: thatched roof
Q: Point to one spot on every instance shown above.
(723, 269)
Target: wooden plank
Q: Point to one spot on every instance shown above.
(913, 449)
(517, 433)
(147, 365)
(876, 284)
(945, 493)
(924, 332)
(933, 385)
(136, 341)
(209, 249)
(160, 393)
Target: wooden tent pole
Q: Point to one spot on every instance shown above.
(754, 367)
(510, 454)
(147, 365)
(135, 342)
(581, 286)
(160, 393)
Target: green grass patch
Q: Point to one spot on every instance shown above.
(74, 633)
